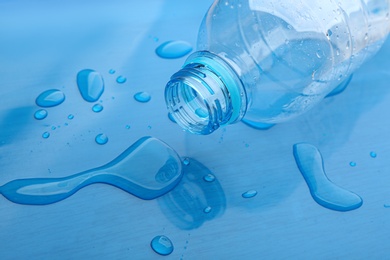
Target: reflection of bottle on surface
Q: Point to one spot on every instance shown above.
(272, 60)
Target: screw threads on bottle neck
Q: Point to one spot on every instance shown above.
(205, 94)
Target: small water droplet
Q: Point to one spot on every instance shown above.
(90, 84)
(53, 128)
(142, 97)
(373, 154)
(111, 71)
(337, 52)
(289, 26)
(101, 139)
(313, 74)
(249, 194)
(209, 178)
(186, 161)
(319, 54)
(162, 245)
(386, 205)
(347, 46)
(173, 49)
(170, 116)
(97, 108)
(50, 98)
(207, 209)
(40, 114)
(46, 135)
(70, 116)
(121, 79)
(352, 164)
(329, 33)
(128, 126)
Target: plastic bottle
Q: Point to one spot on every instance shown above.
(266, 61)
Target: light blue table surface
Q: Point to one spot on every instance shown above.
(44, 44)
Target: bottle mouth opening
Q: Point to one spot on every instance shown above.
(189, 106)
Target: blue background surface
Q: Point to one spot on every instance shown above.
(44, 44)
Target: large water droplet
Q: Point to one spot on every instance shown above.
(50, 98)
(173, 49)
(249, 194)
(142, 97)
(101, 139)
(40, 114)
(97, 108)
(162, 245)
(90, 84)
(323, 191)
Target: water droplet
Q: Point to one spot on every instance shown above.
(128, 127)
(40, 114)
(90, 84)
(142, 97)
(121, 79)
(337, 52)
(111, 71)
(207, 209)
(319, 54)
(386, 205)
(53, 128)
(186, 161)
(324, 192)
(101, 139)
(70, 116)
(97, 108)
(313, 74)
(162, 245)
(373, 154)
(289, 26)
(170, 116)
(173, 49)
(209, 177)
(249, 194)
(347, 46)
(366, 37)
(50, 98)
(46, 135)
(329, 33)
(352, 164)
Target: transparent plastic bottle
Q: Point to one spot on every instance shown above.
(266, 61)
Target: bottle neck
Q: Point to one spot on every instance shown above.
(205, 94)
